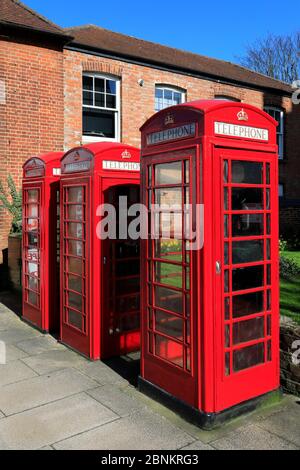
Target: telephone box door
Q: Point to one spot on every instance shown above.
(32, 199)
(121, 277)
(246, 275)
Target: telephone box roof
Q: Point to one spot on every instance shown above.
(46, 158)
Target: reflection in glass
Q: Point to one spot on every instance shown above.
(248, 357)
(226, 228)
(247, 251)
(247, 225)
(75, 230)
(75, 248)
(75, 319)
(225, 168)
(169, 350)
(226, 281)
(227, 363)
(75, 212)
(226, 253)
(227, 336)
(169, 197)
(168, 173)
(186, 171)
(248, 330)
(246, 172)
(247, 278)
(247, 199)
(268, 248)
(75, 266)
(32, 196)
(169, 325)
(33, 283)
(75, 301)
(32, 298)
(247, 304)
(227, 308)
(225, 199)
(169, 299)
(188, 359)
(75, 283)
(75, 194)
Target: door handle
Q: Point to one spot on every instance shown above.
(104, 259)
(218, 267)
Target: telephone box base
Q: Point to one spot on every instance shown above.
(206, 421)
(28, 322)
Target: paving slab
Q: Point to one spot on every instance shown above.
(28, 394)
(13, 353)
(285, 423)
(117, 399)
(142, 430)
(1, 415)
(15, 371)
(197, 445)
(54, 360)
(253, 437)
(39, 345)
(53, 422)
(7, 321)
(18, 333)
(102, 373)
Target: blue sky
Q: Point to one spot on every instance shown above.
(215, 28)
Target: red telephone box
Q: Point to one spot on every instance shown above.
(210, 314)
(40, 262)
(100, 278)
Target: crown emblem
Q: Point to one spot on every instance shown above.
(169, 119)
(242, 116)
(126, 154)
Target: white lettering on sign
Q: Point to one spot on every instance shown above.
(247, 132)
(77, 166)
(188, 130)
(120, 166)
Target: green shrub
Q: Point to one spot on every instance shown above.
(288, 268)
(12, 201)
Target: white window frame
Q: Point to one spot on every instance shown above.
(280, 128)
(117, 111)
(171, 88)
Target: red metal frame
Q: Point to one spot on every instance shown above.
(87, 330)
(218, 336)
(40, 256)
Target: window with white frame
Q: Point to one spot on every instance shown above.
(278, 115)
(281, 190)
(101, 107)
(166, 96)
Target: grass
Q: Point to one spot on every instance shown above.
(290, 291)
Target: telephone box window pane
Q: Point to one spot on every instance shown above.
(227, 308)
(33, 283)
(75, 248)
(75, 230)
(75, 212)
(32, 298)
(225, 199)
(226, 253)
(169, 197)
(33, 239)
(75, 319)
(247, 278)
(169, 299)
(168, 225)
(268, 300)
(247, 304)
(246, 172)
(32, 196)
(269, 325)
(226, 228)
(225, 164)
(226, 281)
(75, 300)
(247, 251)
(75, 266)
(247, 225)
(75, 194)
(169, 350)
(248, 357)
(268, 274)
(168, 249)
(188, 360)
(268, 173)
(168, 173)
(75, 283)
(227, 336)
(268, 249)
(99, 123)
(268, 202)
(227, 364)
(169, 274)
(248, 330)
(186, 171)
(127, 249)
(169, 325)
(269, 351)
(268, 224)
(247, 199)
(32, 268)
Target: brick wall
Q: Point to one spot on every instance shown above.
(289, 358)
(32, 113)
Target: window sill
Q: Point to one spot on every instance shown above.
(87, 139)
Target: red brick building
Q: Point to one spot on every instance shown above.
(64, 87)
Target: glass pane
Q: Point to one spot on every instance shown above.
(227, 336)
(247, 304)
(75, 212)
(32, 268)
(246, 172)
(75, 266)
(225, 165)
(248, 357)
(75, 230)
(226, 281)
(168, 225)
(75, 283)
(168, 196)
(169, 325)
(226, 199)
(269, 325)
(168, 249)
(75, 194)
(269, 351)
(99, 123)
(268, 173)
(88, 98)
(111, 87)
(150, 343)
(187, 171)
(227, 308)
(99, 85)
(247, 225)
(100, 100)
(268, 202)
(248, 330)
(75, 319)
(75, 248)
(188, 359)
(169, 350)
(127, 249)
(268, 300)
(247, 251)
(268, 248)
(33, 283)
(74, 300)
(247, 199)
(87, 83)
(227, 363)
(226, 253)
(247, 278)
(169, 299)
(268, 274)
(169, 274)
(111, 101)
(226, 228)
(32, 298)
(32, 195)
(268, 224)
(168, 173)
